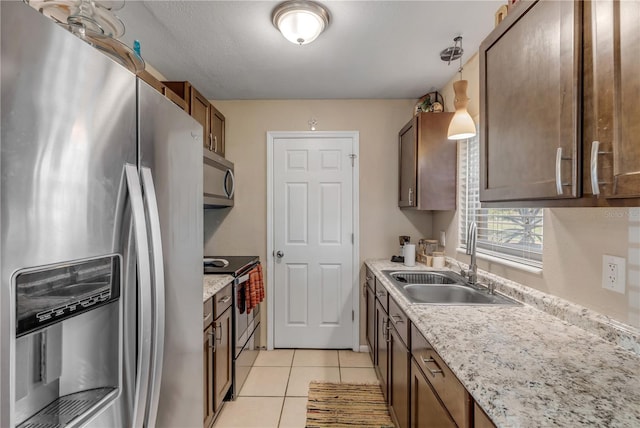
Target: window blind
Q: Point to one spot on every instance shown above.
(513, 234)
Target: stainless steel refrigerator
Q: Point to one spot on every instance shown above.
(101, 239)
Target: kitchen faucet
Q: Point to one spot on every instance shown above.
(472, 237)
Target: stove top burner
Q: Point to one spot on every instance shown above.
(229, 265)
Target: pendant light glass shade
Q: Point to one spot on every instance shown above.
(300, 22)
(461, 125)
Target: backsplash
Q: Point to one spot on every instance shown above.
(625, 336)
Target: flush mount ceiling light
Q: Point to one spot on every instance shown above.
(300, 21)
(461, 125)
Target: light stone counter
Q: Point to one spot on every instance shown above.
(214, 283)
(529, 368)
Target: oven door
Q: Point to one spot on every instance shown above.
(241, 318)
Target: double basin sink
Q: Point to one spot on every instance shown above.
(443, 288)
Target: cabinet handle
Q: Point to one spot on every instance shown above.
(225, 299)
(215, 144)
(397, 319)
(559, 171)
(595, 189)
(210, 142)
(385, 329)
(559, 183)
(380, 293)
(410, 196)
(431, 360)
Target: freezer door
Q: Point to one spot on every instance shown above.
(171, 152)
(68, 128)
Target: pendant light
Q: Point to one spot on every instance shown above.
(300, 21)
(461, 125)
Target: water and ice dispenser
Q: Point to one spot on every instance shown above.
(68, 344)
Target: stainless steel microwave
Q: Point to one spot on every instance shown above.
(219, 181)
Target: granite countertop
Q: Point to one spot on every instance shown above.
(526, 367)
(211, 284)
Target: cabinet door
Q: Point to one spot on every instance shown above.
(426, 409)
(199, 109)
(382, 337)
(398, 379)
(222, 358)
(612, 86)
(371, 322)
(408, 163)
(217, 130)
(530, 79)
(207, 370)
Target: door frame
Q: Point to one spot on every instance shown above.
(355, 221)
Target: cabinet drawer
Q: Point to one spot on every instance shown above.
(222, 300)
(451, 392)
(399, 321)
(370, 280)
(382, 295)
(207, 313)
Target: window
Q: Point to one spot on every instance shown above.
(513, 234)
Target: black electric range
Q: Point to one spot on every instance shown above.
(229, 265)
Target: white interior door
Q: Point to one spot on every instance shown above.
(313, 242)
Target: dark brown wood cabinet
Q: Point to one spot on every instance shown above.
(426, 409)
(211, 119)
(611, 129)
(427, 164)
(399, 357)
(451, 394)
(217, 124)
(370, 304)
(207, 367)
(217, 352)
(558, 112)
(530, 103)
(480, 418)
(222, 358)
(382, 348)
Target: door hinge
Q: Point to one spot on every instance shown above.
(353, 238)
(353, 315)
(353, 157)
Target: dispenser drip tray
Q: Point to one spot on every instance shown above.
(66, 409)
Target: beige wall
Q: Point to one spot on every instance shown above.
(574, 241)
(242, 229)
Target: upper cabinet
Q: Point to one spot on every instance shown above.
(555, 77)
(427, 164)
(611, 134)
(530, 104)
(207, 115)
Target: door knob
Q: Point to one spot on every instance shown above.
(279, 254)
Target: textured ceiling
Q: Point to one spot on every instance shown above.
(372, 49)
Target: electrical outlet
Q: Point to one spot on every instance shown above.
(614, 273)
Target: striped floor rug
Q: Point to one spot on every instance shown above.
(349, 405)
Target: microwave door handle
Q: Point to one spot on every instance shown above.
(157, 350)
(229, 174)
(144, 306)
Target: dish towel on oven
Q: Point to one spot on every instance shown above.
(254, 293)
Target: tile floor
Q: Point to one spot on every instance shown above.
(275, 393)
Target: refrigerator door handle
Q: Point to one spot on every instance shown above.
(157, 349)
(144, 306)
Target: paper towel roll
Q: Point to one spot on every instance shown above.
(409, 255)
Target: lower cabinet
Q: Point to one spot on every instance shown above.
(382, 347)
(419, 388)
(399, 357)
(426, 409)
(207, 368)
(217, 352)
(222, 358)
